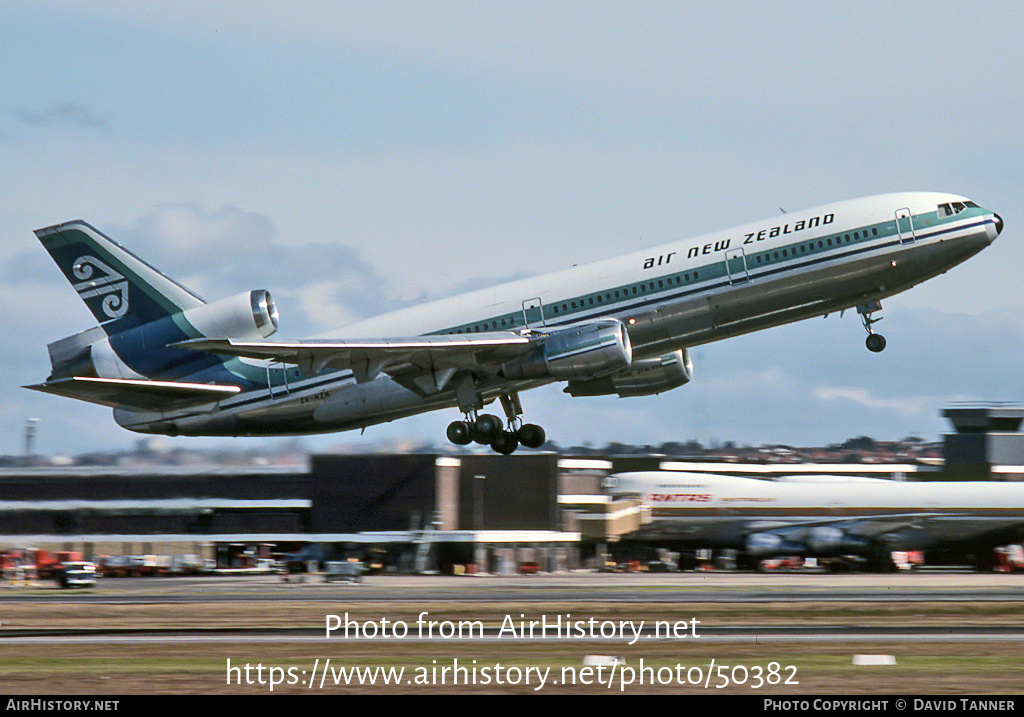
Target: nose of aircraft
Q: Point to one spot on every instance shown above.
(999, 224)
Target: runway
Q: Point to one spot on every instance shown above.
(833, 635)
(180, 634)
(690, 587)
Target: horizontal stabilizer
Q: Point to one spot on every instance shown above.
(148, 395)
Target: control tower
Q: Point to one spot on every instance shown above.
(988, 443)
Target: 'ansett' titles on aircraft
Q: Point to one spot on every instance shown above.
(168, 362)
(823, 518)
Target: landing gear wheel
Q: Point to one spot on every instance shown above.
(531, 435)
(505, 443)
(875, 342)
(486, 429)
(460, 433)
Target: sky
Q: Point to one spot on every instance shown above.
(354, 158)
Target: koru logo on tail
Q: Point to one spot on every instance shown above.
(111, 286)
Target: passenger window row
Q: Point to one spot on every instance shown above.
(511, 321)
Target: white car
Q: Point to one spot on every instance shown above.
(77, 575)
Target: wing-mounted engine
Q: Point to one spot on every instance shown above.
(825, 540)
(769, 545)
(818, 541)
(580, 352)
(645, 377)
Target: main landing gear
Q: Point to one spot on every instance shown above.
(486, 429)
(875, 342)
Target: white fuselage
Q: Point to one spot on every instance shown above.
(675, 296)
(683, 495)
(766, 518)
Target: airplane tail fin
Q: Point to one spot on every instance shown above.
(121, 290)
(143, 315)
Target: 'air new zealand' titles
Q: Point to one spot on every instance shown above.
(168, 362)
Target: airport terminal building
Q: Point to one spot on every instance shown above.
(478, 512)
(410, 512)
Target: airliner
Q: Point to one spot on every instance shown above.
(170, 363)
(865, 518)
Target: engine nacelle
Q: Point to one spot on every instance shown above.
(581, 352)
(820, 541)
(827, 541)
(644, 378)
(249, 315)
(768, 545)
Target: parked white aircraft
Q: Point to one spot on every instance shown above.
(868, 519)
(168, 362)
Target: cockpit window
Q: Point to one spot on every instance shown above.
(951, 208)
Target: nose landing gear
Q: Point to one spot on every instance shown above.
(875, 342)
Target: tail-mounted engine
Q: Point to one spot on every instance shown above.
(249, 315)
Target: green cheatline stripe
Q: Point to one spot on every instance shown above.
(717, 269)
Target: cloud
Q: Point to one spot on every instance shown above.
(221, 252)
(449, 150)
(64, 113)
(324, 305)
(905, 407)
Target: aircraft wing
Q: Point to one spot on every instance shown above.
(810, 536)
(142, 393)
(868, 526)
(427, 362)
(912, 531)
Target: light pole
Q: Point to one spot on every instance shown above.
(479, 550)
(30, 436)
(478, 502)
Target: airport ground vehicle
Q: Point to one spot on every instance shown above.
(77, 574)
(345, 570)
